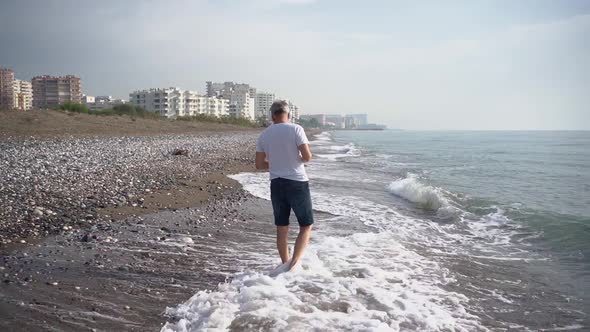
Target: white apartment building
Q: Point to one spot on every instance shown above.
(14, 93)
(241, 97)
(196, 104)
(165, 102)
(294, 110)
(241, 105)
(22, 95)
(173, 102)
(262, 104)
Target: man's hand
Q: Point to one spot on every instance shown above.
(305, 152)
(261, 162)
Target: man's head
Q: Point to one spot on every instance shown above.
(279, 111)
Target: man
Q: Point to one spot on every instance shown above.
(283, 148)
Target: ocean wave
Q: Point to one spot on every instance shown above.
(343, 151)
(343, 148)
(322, 138)
(427, 197)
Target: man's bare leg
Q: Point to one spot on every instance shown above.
(282, 236)
(300, 244)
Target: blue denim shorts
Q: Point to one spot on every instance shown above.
(289, 194)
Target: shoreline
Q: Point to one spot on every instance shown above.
(122, 268)
(125, 275)
(118, 269)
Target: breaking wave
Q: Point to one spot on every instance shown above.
(427, 197)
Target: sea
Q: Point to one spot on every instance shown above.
(424, 231)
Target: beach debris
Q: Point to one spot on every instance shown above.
(179, 152)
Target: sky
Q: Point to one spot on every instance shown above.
(425, 65)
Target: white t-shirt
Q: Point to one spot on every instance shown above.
(280, 142)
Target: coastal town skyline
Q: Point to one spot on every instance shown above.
(238, 100)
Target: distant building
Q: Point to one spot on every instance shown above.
(174, 102)
(263, 102)
(321, 118)
(335, 120)
(52, 91)
(215, 89)
(348, 121)
(196, 104)
(241, 97)
(293, 111)
(241, 105)
(359, 119)
(22, 95)
(101, 102)
(6, 87)
(14, 94)
(161, 101)
(87, 99)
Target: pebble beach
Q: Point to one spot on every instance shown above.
(54, 185)
(105, 232)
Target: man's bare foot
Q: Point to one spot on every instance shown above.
(291, 265)
(285, 267)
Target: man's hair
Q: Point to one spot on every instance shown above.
(279, 107)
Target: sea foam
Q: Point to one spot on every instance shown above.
(427, 197)
(355, 280)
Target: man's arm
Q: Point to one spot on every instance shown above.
(305, 152)
(261, 162)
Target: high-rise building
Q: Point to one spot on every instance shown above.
(359, 119)
(51, 91)
(241, 97)
(262, 104)
(22, 95)
(293, 112)
(14, 94)
(241, 105)
(215, 89)
(6, 88)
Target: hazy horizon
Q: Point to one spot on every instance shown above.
(457, 65)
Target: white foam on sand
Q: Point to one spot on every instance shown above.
(364, 281)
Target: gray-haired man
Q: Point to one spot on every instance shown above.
(283, 148)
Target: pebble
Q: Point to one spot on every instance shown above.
(49, 183)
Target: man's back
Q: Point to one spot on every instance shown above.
(280, 142)
(282, 148)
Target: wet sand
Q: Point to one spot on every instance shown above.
(125, 274)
